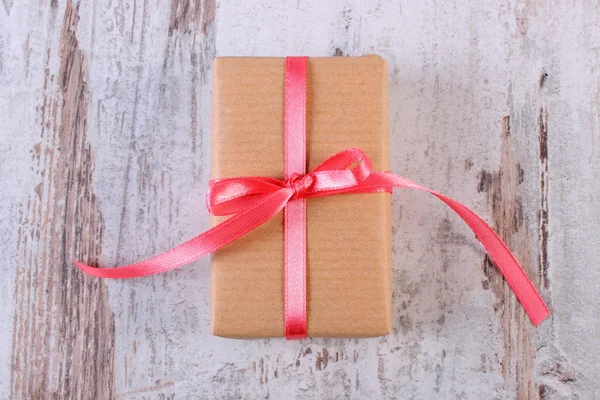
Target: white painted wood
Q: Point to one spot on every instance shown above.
(105, 131)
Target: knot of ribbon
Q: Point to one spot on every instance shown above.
(251, 201)
(300, 184)
(333, 176)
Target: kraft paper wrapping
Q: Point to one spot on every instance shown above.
(349, 236)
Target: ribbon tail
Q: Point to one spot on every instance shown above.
(507, 264)
(201, 245)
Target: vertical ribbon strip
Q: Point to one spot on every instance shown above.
(295, 210)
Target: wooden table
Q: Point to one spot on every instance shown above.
(105, 124)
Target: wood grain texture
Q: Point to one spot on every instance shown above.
(63, 329)
(105, 132)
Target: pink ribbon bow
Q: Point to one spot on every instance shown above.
(251, 201)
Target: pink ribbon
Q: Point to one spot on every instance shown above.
(294, 218)
(251, 201)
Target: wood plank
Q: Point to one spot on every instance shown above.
(63, 329)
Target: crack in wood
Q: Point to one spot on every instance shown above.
(322, 360)
(542, 79)
(502, 189)
(543, 213)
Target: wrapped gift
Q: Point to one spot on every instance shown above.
(301, 198)
(348, 236)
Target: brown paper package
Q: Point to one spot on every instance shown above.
(349, 236)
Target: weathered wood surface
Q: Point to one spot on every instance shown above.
(105, 117)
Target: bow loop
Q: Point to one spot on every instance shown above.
(341, 173)
(345, 159)
(233, 195)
